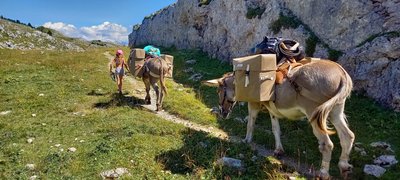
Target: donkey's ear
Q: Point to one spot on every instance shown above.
(212, 83)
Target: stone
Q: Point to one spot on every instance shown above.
(30, 166)
(203, 145)
(214, 110)
(5, 112)
(382, 145)
(30, 140)
(57, 145)
(188, 70)
(385, 160)
(71, 149)
(33, 177)
(41, 94)
(114, 173)
(374, 170)
(33, 115)
(191, 62)
(254, 158)
(196, 77)
(230, 162)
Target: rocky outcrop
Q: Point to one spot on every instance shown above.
(365, 32)
(345, 24)
(375, 69)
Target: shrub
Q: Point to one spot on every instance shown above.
(311, 44)
(204, 2)
(284, 21)
(254, 12)
(136, 27)
(334, 54)
(390, 34)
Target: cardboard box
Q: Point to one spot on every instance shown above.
(255, 77)
(136, 62)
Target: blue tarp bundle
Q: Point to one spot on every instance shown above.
(151, 50)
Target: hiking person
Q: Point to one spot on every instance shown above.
(119, 63)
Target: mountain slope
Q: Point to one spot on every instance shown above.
(18, 36)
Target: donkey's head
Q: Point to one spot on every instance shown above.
(226, 93)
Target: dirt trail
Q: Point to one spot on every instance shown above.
(139, 92)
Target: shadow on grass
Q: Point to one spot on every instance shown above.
(96, 93)
(120, 100)
(200, 152)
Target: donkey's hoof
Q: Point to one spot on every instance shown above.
(147, 101)
(278, 153)
(323, 175)
(158, 108)
(246, 140)
(345, 169)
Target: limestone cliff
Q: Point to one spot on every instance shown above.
(363, 35)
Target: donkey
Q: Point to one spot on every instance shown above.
(317, 91)
(155, 70)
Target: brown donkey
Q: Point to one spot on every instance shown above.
(155, 71)
(317, 91)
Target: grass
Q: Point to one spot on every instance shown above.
(75, 105)
(254, 12)
(79, 108)
(369, 121)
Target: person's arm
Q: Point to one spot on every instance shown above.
(111, 65)
(126, 66)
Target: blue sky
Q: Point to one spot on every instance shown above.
(82, 13)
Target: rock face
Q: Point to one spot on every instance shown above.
(375, 69)
(365, 32)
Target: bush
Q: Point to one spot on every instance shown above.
(334, 54)
(204, 2)
(311, 44)
(254, 12)
(136, 27)
(283, 21)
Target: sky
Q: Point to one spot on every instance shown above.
(89, 19)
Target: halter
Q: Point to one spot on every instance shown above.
(225, 99)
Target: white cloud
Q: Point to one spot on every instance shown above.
(107, 31)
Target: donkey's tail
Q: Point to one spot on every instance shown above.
(321, 113)
(162, 81)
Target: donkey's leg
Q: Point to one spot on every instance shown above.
(161, 98)
(325, 147)
(253, 108)
(147, 99)
(153, 82)
(346, 136)
(277, 134)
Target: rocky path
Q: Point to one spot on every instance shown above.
(139, 92)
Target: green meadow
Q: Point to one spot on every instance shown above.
(64, 100)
